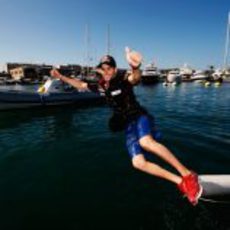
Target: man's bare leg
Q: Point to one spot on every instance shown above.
(150, 145)
(139, 162)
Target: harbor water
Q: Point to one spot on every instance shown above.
(61, 168)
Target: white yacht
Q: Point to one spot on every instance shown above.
(150, 74)
(218, 74)
(199, 76)
(174, 76)
(186, 71)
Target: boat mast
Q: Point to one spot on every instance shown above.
(108, 42)
(227, 43)
(87, 41)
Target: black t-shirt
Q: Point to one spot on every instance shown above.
(121, 98)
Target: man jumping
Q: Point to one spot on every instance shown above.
(129, 115)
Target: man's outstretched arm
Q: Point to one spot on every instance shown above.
(76, 83)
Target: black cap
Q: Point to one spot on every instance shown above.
(109, 60)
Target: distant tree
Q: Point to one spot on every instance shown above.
(211, 68)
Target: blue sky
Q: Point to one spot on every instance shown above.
(169, 32)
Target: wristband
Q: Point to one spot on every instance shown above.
(137, 67)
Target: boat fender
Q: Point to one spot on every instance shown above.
(41, 89)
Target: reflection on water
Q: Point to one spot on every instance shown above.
(62, 168)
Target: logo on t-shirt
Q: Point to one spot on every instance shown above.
(116, 92)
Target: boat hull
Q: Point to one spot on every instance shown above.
(19, 100)
(150, 79)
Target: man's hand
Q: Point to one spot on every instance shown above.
(133, 58)
(55, 73)
(100, 72)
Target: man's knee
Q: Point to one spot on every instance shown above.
(139, 162)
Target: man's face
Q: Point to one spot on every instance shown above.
(109, 71)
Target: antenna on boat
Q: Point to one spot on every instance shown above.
(227, 43)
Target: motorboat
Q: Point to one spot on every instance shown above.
(199, 76)
(52, 93)
(186, 72)
(150, 74)
(173, 78)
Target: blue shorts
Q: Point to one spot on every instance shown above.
(137, 129)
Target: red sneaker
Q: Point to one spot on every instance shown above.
(182, 187)
(194, 189)
(191, 188)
